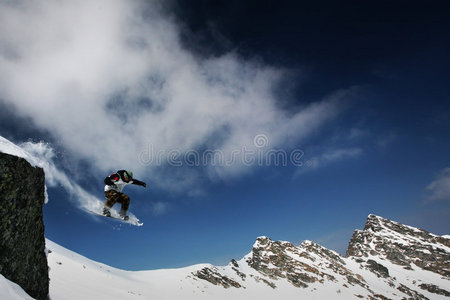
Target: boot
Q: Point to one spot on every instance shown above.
(106, 212)
(123, 214)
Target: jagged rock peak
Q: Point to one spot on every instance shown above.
(266, 242)
(375, 223)
(401, 244)
(378, 224)
(314, 248)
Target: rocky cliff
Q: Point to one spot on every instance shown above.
(386, 260)
(402, 245)
(22, 242)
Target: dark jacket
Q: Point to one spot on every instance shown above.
(117, 181)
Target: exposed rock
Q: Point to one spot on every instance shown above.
(269, 283)
(266, 252)
(216, 278)
(234, 263)
(412, 293)
(402, 245)
(22, 243)
(239, 273)
(275, 260)
(434, 289)
(283, 260)
(378, 296)
(378, 269)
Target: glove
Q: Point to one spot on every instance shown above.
(138, 182)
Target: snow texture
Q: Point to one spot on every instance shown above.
(11, 291)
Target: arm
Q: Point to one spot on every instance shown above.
(138, 182)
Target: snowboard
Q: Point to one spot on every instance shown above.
(132, 220)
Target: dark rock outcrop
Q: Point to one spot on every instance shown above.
(378, 269)
(434, 289)
(213, 276)
(22, 242)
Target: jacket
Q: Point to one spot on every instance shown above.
(117, 181)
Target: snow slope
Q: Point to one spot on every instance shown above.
(75, 277)
(328, 276)
(11, 291)
(272, 270)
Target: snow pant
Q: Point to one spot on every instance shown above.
(114, 197)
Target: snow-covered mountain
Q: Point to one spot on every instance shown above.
(386, 260)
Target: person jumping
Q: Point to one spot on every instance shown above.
(114, 185)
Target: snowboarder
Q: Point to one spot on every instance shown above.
(114, 185)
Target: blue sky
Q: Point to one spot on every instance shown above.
(358, 89)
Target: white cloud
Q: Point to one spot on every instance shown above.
(439, 189)
(328, 157)
(338, 154)
(107, 80)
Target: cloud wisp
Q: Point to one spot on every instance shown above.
(108, 78)
(439, 189)
(328, 157)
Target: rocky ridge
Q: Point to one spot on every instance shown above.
(402, 245)
(385, 260)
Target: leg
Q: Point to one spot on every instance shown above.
(112, 198)
(125, 201)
